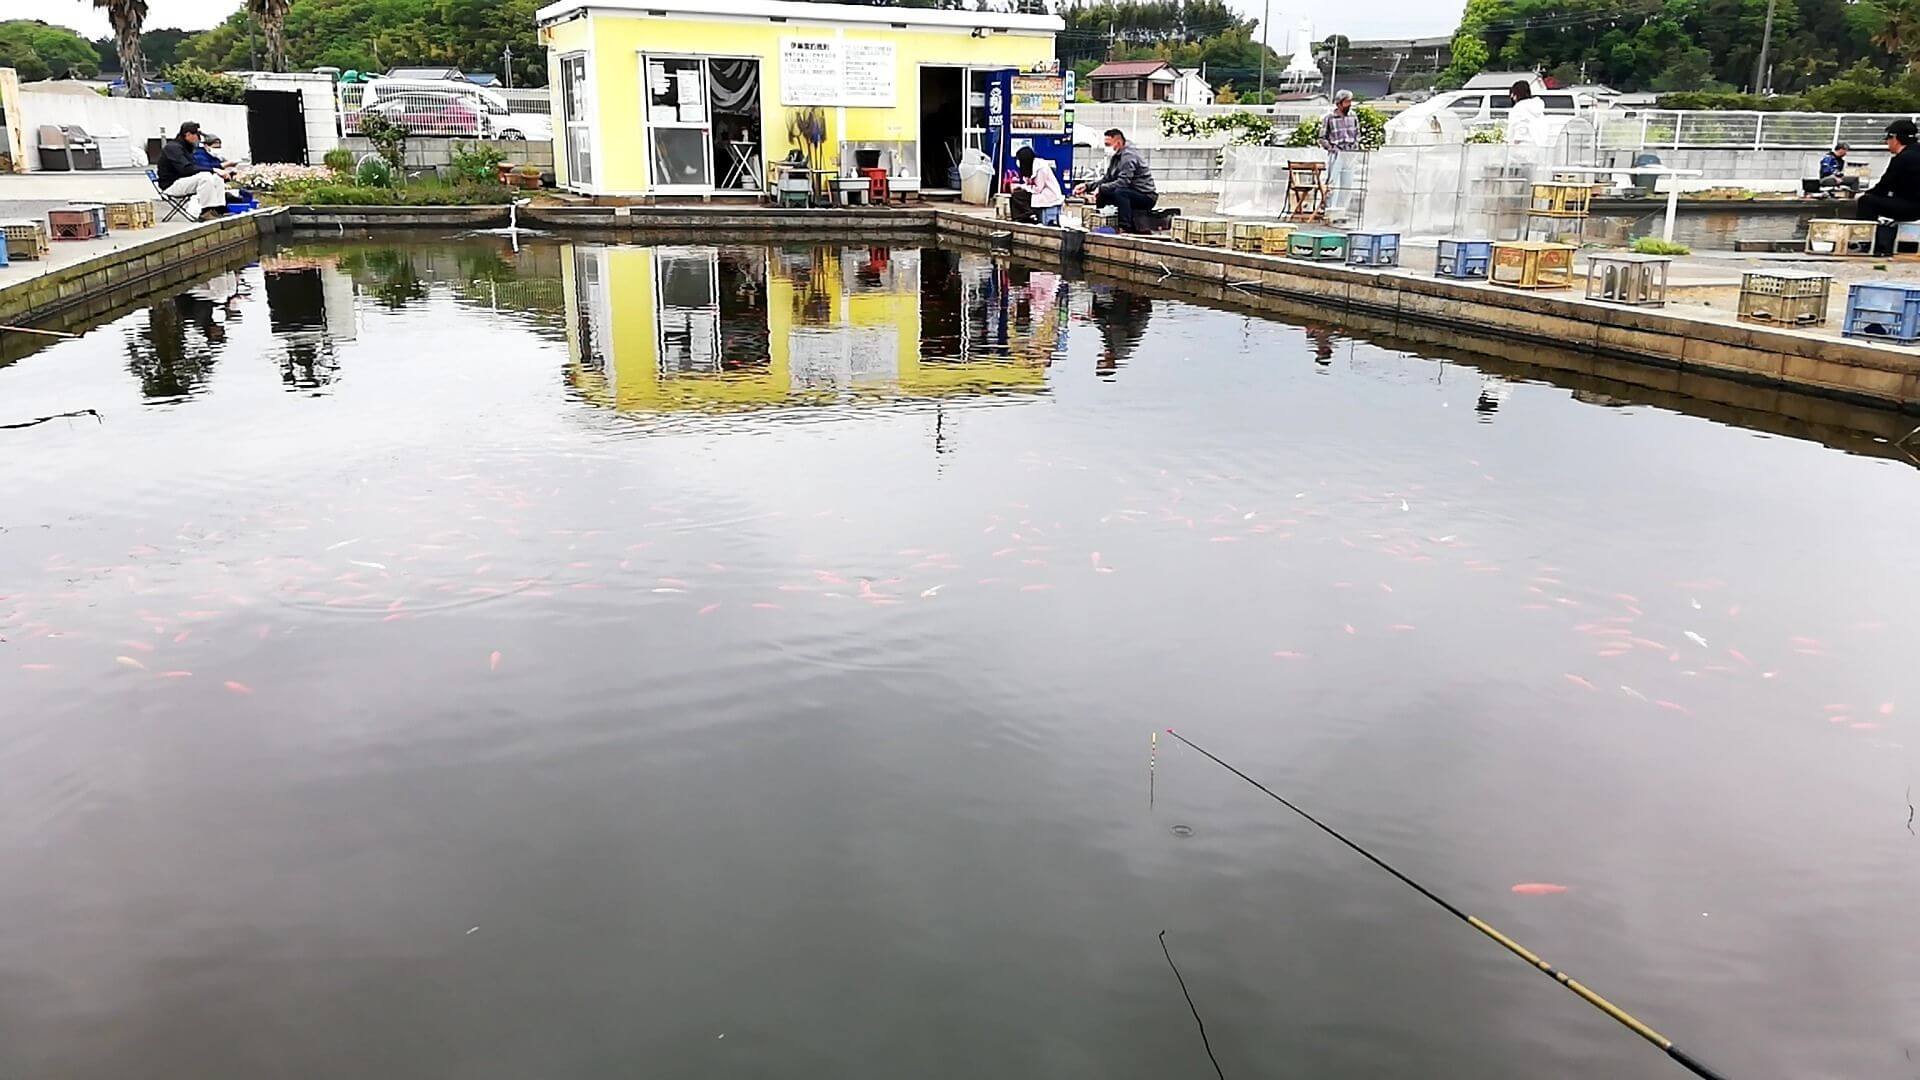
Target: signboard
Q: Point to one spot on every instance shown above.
(1038, 102)
(835, 72)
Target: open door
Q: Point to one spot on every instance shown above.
(942, 125)
(276, 127)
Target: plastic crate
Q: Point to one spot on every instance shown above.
(1785, 297)
(1840, 236)
(1465, 259)
(26, 238)
(1250, 236)
(1883, 310)
(1373, 249)
(1317, 244)
(1628, 278)
(1273, 240)
(1002, 207)
(1531, 264)
(71, 225)
(1204, 231)
(99, 212)
(130, 215)
(1560, 200)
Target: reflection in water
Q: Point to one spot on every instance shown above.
(173, 354)
(1122, 316)
(742, 326)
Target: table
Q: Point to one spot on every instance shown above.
(746, 155)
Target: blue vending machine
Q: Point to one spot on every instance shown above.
(1030, 108)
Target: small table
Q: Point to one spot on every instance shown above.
(746, 157)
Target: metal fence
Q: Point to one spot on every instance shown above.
(1675, 129)
(460, 110)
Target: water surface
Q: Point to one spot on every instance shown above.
(740, 661)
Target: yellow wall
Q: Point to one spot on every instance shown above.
(618, 39)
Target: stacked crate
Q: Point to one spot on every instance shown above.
(1249, 236)
(1317, 244)
(71, 224)
(1884, 311)
(130, 215)
(1273, 239)
(1204, 231)
(99, 212)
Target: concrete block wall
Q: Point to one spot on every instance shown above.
(424, 153)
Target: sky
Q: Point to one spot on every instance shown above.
(1354, 18)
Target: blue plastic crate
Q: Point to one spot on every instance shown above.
(3, 251)
(1373, 249)
(1883, 310)
(99, 212)
(1463, 258)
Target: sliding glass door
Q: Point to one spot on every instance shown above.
(575, 119)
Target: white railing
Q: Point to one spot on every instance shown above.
(1713, 129)
(461, 110)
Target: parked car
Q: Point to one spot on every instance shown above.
(497, 121)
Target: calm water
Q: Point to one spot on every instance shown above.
(688, 662)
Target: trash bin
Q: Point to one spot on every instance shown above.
(976, 177)
(1644, 182)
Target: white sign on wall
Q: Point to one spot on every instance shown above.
(834, 72)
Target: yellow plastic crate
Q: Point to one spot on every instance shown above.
(26, 239)
(1532, 264)
(129, 215)
(1204, 231)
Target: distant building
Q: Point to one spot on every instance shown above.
(1133, 80)
(1301, 76)
(1376, 68)
(482, 78)
(1191, 88)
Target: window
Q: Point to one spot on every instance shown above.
(1558, 103)
(1468, 106)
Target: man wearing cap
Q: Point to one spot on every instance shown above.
(1896, 197)
(1340, 138)
(179, 175)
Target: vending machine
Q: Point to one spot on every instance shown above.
(1030, 109)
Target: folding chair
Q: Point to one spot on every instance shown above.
(176, 204)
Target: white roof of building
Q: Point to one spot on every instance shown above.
(812, 13)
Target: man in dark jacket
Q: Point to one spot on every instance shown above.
(1897, 195)
(1128, 185)
(180, 175)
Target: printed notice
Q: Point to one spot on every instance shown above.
(832, 72)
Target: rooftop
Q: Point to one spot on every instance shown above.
(808, 13)
(1127, 69)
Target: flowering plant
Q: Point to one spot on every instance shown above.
(269, 177)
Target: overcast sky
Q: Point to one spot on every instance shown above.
(1354, 18)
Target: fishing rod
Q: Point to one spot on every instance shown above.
(1627, 1019)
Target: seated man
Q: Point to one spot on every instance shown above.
(180, 175)
(1896, 197)
(1128, 185)
(207, 156)
(1833, 171)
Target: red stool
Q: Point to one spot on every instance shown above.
(876, 184)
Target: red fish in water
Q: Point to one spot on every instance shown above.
(493, 661)
(710, 609)
(1886, 708)
(1581, 683)
(176, 674)
(1538, 888)
(140, 646)
(238, 687)
(1035, 588)
(764, 606)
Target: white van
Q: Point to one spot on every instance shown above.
(477, 111)
(1480, 108)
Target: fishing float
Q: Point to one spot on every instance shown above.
(1625, 1018)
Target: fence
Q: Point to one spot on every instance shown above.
(130, 122)
(1672, 129)
(460, 110)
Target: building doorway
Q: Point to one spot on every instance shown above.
(575, 116)
(277, 126)
(942, 124)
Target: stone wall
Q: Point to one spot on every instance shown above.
(429, 153)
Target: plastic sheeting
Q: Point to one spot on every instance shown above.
(1478, 189)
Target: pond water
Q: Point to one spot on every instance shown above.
(740, 661)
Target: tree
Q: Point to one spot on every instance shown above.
(156, 45)
(126, 16)
(272, 17)
(374, 35)
(38, 51)
(1898, 29)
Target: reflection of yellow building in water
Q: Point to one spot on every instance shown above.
(715, 328)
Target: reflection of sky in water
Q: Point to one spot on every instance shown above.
(494, 664)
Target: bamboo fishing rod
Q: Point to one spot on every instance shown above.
(1626, 1019)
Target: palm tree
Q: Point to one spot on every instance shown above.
(127, 17)
(272, 16)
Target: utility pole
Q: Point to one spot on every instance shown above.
(1760, 65)
(1333, 76)
(506, 63)
(1266, 20)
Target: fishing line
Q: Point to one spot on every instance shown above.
(1190, 1006)
(1625, 1018)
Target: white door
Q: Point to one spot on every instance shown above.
(679, 120)
(574, 117)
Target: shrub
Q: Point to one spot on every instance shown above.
(425, 194)
(1653, 245)
(374, 172)
(340, 160)
(389, 138)
(1487, 135)
(476, 164)
(194, 83)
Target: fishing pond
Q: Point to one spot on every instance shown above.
(432, 657)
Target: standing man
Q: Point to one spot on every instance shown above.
(1340, 138)
(1128, 185)
(178, 175)
(1897, 196)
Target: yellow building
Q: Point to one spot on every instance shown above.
(747, 326)
(697, 97)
